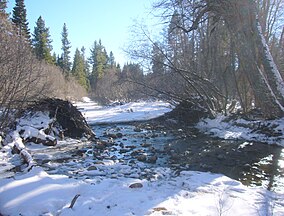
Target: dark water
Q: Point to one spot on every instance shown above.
(187, 149)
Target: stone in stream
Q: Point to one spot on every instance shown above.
(136, 152)
(119, 135)
(131, 147)
(152, 159)
(100, 146)
(221, 157)
(152, 149)
(145, 145)
(141, 158)
(123, 150)
(114, 136)
(137, 129)
(92, 168)
(174, 156)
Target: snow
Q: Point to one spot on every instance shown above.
(134, 111)
(190, 193)
(104, 188)
(221, 128)
(33, 125)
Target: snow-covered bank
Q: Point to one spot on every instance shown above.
(190, 193)
(269, 131)
(134, 111)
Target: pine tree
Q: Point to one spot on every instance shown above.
(86, 65)
(98, 61)
(93, 61)
(54, 58)
(59, 61)
(66, 45)
(118, 67)
(111, 60)
(42, 42)
(102, 59)
(78, 69)
(20, 19)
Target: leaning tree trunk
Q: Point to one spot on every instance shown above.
(273, 75)
(265, 80)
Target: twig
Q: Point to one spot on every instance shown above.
(74, 200)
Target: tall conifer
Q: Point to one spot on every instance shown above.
(78, 69)
(20, 19)
(98, 61)
(111, 60)
(66, 45)
(41, 41)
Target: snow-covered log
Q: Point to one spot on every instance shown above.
(20, 149)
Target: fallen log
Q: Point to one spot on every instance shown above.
(19, 148)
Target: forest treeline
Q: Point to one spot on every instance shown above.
(30, 71)
(224, 53)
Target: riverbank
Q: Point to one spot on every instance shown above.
(72, 179)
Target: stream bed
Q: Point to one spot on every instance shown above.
(147, 145)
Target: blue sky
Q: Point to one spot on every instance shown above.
(89, 20)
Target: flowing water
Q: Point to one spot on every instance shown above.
(181, 149)
(186, 149)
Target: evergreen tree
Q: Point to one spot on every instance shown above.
(111, 60)
(102, 59)
(118, 67)
(78, 69)
(86, 64)
(59, 61)
(54, 58)
(42, 42)
(20, 18)
(98, 61)
(66, 45)
(93, 61)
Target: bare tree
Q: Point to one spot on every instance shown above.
(242, 21)
(227, 47)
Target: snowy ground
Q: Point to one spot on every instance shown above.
(112, 188)
(135, 111)
(244, 130)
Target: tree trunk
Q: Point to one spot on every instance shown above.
(272, 73)
(266, 82)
